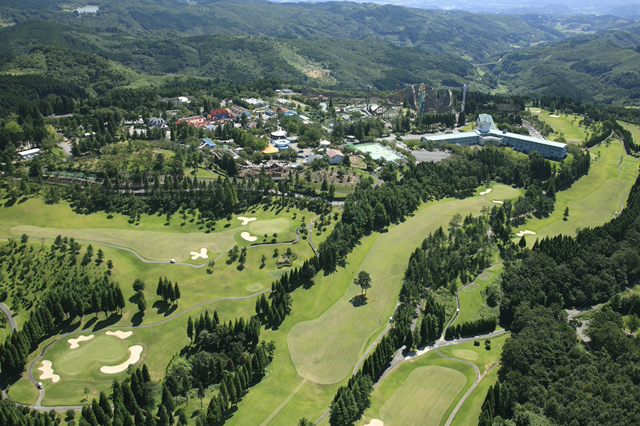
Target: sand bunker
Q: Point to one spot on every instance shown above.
(486, 192)
(525, 232)
(246, 220)
(119, 334)
(202, 254)
(554, 115)
(74, 343)
(497, 202)
(46, 372)
(247, 236)
(375, 422)
(134, 356)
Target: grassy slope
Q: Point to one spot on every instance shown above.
(471, 296)
(594, 198)
(565, 124)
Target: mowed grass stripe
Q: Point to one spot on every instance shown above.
(325, 349)
(423, 398)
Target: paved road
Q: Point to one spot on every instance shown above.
(12, 321)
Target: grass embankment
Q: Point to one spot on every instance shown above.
(594, 198)
(472, 304)
(565, 125)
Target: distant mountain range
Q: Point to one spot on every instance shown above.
(331, 44)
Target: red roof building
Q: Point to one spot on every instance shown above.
(196, 120)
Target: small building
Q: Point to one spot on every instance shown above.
(196, 120)
(29, 153)
(335, 156)
(220, 114)
(281, 143)
(156, 122)
(279, 134)
(209, 142)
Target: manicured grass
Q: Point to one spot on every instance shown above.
(478, 355)
(152, 238)
(567, 125)
(469, 412)
(88, 357)
(426, 397)
(325, 349)
(633, 128)
(471, 300)
(594, 198)
(417, 402)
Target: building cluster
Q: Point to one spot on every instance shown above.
(487, 133)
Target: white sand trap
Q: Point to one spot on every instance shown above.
(119, 334)
(46, 372)
(202, 254)
(525, 232)
(74, 343)
(554, 115)
(497, 202)
(247, 236)
(486, 192)
(375, 422)
(535, 111)
(134, 356)
(246, 220)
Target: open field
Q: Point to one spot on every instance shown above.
(421, 391)
(324, 350)
(567, 125)
(471, 300)
(594, 198)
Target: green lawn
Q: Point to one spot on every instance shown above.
(325, 349)
(567, 125)
(594, 198)
(469, 412)
(633, 128)
(478, 355)
(151, 238)
(421, 391)
(471, 300)
(424, 397)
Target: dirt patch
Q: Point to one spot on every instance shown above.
(246, 220)
(247, 236)
(74, 343)
(46, 372)
(134, 356)
(119, 334)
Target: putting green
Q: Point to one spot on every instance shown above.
(466, 354)
(424, 397)
(254, 287)
(325, 349)
(95, 353)
(261, 227)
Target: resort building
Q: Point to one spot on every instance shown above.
(487, 133)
